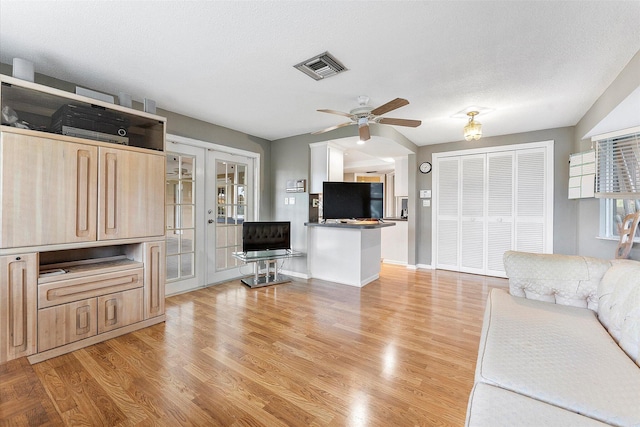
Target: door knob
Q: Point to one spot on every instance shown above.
(210, 221)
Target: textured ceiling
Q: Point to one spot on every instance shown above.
(538, 64)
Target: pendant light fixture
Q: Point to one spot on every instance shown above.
(473, 129)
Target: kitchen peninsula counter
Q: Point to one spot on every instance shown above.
(345, 252)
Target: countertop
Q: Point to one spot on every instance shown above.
(351, 224)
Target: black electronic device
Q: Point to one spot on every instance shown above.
(266, 235)
(81, 120)
(346, 200)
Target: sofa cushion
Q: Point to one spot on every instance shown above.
(619, 305)
(562, 279)
(559, 355)
(496, 407)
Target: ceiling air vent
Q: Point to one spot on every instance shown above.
(321, 66)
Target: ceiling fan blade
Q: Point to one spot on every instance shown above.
(363, 131)
(331, 128)
(390, 106)
(400, 122)
(340, 113)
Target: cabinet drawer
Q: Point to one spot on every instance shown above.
(120, 309)
(66, 323)
(65, 291)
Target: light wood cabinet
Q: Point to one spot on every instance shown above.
(119, 309)
(18, 282)
(131, 193)
(154, 279)
(82, 222)
(66, 323)
(48, 192)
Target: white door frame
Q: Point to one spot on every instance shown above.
(173, 144)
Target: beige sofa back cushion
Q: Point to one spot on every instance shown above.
(561, 279)
(619, 305)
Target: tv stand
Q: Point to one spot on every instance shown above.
(268, 257)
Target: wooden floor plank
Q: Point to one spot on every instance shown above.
(400, 351)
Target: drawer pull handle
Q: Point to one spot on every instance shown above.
(111, 312)
(83, 320)
(88, 287)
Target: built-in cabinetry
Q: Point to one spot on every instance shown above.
(82, 252)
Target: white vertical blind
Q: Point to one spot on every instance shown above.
(618, 166)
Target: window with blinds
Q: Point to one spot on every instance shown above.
(618, 164)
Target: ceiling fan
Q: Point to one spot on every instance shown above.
(363, 115)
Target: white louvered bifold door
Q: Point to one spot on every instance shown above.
(489, 201)
(472, 214)
(530, 201)
(447, 205)
(500, 209)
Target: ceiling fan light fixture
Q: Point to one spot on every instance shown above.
(473, 129)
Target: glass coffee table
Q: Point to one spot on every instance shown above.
(269, 275)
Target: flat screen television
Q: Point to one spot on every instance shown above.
(266, 235)
(347, 200)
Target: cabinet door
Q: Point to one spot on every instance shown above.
(130, 194)
(119, 309)
(66, 323)
(48, 191)
(18, 284)
(154, 279)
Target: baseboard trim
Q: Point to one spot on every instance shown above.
(425, 266)
(294, 274)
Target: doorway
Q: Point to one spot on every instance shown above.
(210, 192)
(230, 202)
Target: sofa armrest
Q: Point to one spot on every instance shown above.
(561, 279)
(619, 305)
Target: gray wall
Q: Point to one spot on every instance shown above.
(564, 210)
(588, 213)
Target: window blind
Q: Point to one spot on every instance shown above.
(618, 165)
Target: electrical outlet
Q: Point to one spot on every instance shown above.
(292, 200)
(426, 203)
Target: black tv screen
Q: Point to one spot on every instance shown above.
(263, 236)
(346, 200)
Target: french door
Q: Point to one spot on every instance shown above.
(230, 202)
(209, 194)
(488, 201)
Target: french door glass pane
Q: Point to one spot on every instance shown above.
(231, 210)
(180, 211)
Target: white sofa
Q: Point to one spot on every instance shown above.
(562, 348)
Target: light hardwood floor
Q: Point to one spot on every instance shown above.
(399, 352)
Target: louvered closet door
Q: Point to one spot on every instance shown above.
(500, 210)
(472, 218)
(530, 201)
(447, 205)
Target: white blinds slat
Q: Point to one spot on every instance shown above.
(618, 167)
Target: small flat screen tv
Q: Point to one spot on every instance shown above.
(264, 236)
(347, 200)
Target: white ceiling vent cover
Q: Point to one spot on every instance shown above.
(321, 66)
